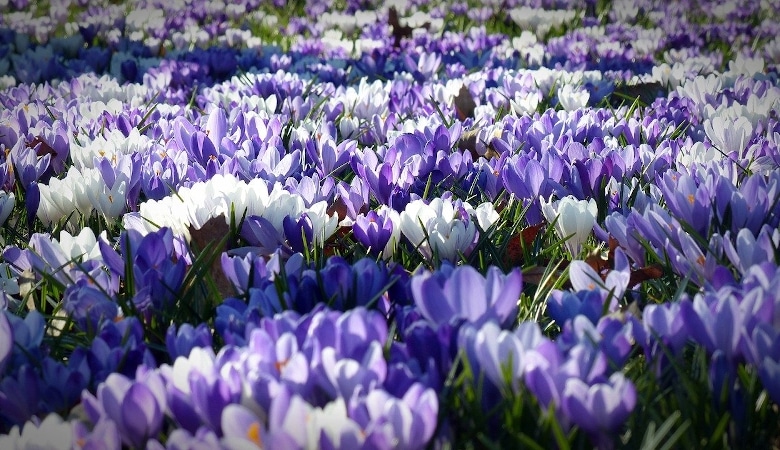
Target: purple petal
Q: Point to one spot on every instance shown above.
(141, 414)
(6, 340)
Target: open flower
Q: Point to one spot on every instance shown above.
(440, 227)
(464, 293)
(572, 99)
(600, 407)
(378, 231)
(136, 406)
(575, 219)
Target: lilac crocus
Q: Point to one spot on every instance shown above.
(719, 321)
(136, 406)
(600, 407)
(244, 272)
(6, 340)
(102, 435)
(407, 422)
(769, 372)
(464, 294)
(345, 376)
(180, 341)
(378, 231)
(613, 286)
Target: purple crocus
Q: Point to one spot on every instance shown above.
(135, 406)
(378, 231)
(102, 435)
(407, 422)
(464, 294)
(601, 407)
(769, 372)
(717, 322)
(6, 340)
(179, 342)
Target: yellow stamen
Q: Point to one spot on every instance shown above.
(253, 433)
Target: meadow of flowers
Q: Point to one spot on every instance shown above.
(405, 224)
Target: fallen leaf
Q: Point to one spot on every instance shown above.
(464, 103)
(214, 230)
(525, 239)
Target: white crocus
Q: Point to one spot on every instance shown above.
(571, 99)
(110, 202)
(82, 247)
(7, 201)
(323, 225)
(525, 103)
(486, 215)
(575, 219)
(447, 235)
(728, 135)
(52, 433)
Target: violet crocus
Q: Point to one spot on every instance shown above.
(88, 306)
(102, 435)
(494, 352)
(406, 422)
(309, 426)
(769, 372)
(242, 428)
(583, 277)
(136, 406)
(719, 321)
(344, 377)
(6, 340)
(244, 272)
(600, 408)
(748, 250)
(464, 294)
(180, 341)
(664, 334)
(378, 231)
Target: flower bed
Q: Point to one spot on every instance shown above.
(407, 225)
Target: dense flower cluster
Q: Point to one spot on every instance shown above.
(396, 226)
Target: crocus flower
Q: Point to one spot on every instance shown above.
(769, 372)
(378, 231)
(179, 342)
(584, 277)
(464, 293)
(51, 433)
(244, 273)
(102, 435)
(311, 427)
(136, 406)
(600, 407)
(748, 250)
(6, 340)
(241, 428)
(407, 422)
(572, 99)
(575, 219)
(6, 205)
(438, 228)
